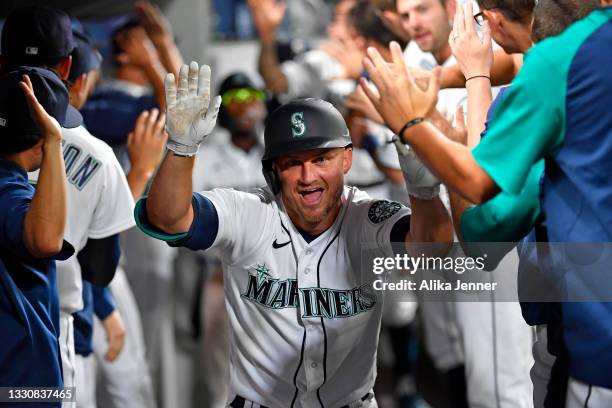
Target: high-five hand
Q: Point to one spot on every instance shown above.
(190, 115)
(397, 97)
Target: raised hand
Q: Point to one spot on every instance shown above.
(137, 48)
(474, 56)
(190, 115)
(348, 54)
(156, 25)
(50, 128)
(396, 95)
(147, 141)
(267, 16)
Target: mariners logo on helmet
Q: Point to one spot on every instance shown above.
(298, 127)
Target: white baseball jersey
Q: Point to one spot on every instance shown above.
(225, 164)
(448, 99)
(310, 74)
(99, 204)
(304, 318)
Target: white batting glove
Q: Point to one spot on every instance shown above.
(190, 116)
(420, 181)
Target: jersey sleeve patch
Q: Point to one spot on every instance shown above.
(382, 210)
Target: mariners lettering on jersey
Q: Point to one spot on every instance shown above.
(274, 293)
(79, 173)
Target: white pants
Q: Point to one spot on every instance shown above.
(126, 382)
(66, 341)
(580, 395)
(85, 381)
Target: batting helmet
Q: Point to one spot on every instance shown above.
(302, 124)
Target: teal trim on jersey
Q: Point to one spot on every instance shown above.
(531, 120)
(140, 215)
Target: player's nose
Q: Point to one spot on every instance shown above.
(307, 174)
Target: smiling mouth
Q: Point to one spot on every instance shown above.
(311, 196)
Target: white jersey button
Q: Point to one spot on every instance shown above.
(309, 252)
(307, 271)
(313, 365)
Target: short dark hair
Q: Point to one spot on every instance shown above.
(552, 17)
(515, 10)
(366, 19)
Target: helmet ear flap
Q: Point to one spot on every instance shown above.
(271, 177)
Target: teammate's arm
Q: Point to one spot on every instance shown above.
(43, 227)
(146, 148)
(159, 31)
(451, 161)
(504, 69)
(268, 15)
(191, 116)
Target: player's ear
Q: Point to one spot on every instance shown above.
(347, 159)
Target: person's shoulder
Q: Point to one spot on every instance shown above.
(87, 143)
(374, 209)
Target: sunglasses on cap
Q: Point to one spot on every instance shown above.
(242, 95)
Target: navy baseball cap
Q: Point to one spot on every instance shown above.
(84, 56)
(18, 128)
(36, 33)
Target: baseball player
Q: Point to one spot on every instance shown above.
(304, 319)
(32, 226)
(476, 338)
(98, 198)
(571, 115)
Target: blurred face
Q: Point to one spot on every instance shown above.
(311, 185)
(246, 115)
(427, 21)
(246, 108)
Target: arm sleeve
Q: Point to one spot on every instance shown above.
(99, 259)
(15, 201)
(115, 207)
(529, 124)
(507, 217)
(102, 301)
(201, 234)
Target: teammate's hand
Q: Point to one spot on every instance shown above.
(50, 128)
(190, 115)
(115, 335)
(147, 141)
(396, 95)
(420, 181)
(137, 48)
(267, 16)
(156, 25)
(474, 56)
(348, 54)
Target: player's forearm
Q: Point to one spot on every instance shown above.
(452, 162)
(137, 180)
(504, 68)
(169, 202)
(458, 207)
(169, 54)
(503, 71)
(479, 101)
(269, 68)
(155, 73)
(46, 218)
(429, 221)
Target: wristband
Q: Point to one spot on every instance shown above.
(408, 125)
(478, 76)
